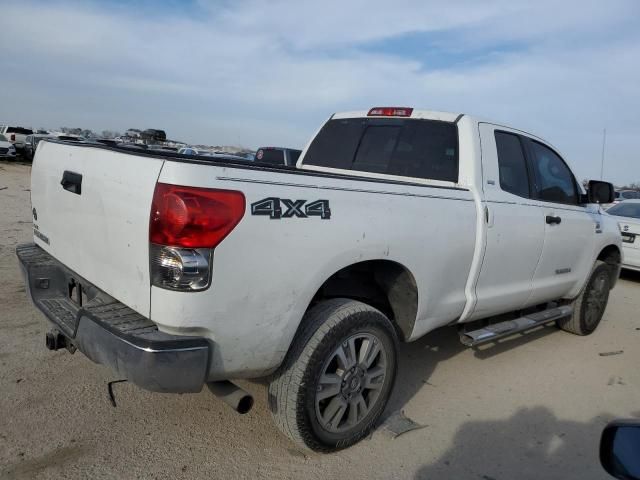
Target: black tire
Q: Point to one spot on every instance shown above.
(294, 390)
(589, 306)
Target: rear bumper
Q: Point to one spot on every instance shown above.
(109, 332)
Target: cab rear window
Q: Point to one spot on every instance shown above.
(405, 147)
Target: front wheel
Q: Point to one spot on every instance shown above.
(589, 307)
(337, 377)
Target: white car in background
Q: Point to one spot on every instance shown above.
(7, 150)
(622, 196)
(627, 214)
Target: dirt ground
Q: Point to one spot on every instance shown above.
(533, 407)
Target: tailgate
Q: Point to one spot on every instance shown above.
(102, 231)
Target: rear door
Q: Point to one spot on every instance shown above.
(99, 225)
(570, 228)
(515, 227)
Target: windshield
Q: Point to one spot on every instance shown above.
(623, 209)
(3, 138)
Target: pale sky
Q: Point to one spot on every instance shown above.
(259, 72)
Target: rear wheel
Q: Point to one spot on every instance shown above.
(589, 307)
(337, 377)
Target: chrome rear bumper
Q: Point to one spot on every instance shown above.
(109, 332)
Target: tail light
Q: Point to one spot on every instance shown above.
(186, 224)
(390, 112)
(13, 137)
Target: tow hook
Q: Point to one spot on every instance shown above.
(54, 340)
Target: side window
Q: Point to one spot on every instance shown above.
(553, 179)
(512, 164)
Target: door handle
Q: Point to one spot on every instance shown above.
(72, 182)
(551, 219)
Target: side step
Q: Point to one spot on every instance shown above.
(509, 327)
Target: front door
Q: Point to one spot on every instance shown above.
(569, 228)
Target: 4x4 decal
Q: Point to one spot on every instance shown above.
(273, 207)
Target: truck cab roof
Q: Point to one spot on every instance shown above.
(409, 113)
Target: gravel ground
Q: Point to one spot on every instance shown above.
(532, 407)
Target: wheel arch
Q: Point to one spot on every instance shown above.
(384, 284)
(612, 256)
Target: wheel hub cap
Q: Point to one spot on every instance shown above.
(351, 382)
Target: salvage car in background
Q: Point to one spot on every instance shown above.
(7, 150)
(627, 214)
(208, 153)
(16, 135)
(277, 156)
(622, 196)
(31, 143)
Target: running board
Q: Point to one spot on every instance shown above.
(510, 327)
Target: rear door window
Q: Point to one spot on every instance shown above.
(405, 147)
(512, 164)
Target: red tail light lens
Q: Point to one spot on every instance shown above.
(390, 112)
(13, 137)
(193, 217)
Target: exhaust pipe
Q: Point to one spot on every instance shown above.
(54, 340)
(234, 396)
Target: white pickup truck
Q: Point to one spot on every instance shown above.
(183, 272)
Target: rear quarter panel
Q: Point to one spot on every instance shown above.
(266, 271)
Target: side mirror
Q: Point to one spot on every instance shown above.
(600, 192)
(620, 449)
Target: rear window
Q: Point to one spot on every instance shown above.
(625, 210)
(270, 155)
(406, 147)
(19, 130)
